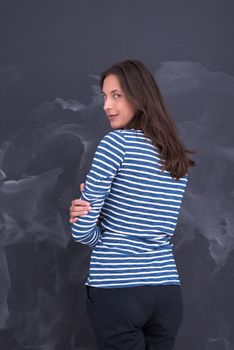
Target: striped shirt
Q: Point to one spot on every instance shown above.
(138, 205)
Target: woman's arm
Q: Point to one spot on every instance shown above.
(107, 160)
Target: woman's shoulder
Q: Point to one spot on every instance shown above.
(127, 132)
(114, 134)
(114, 138)
(121, 135)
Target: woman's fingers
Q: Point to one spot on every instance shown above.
(79, 202)
(82, 187)
(78, 208)
(73, 220)
(81, 212)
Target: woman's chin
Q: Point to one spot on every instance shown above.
(115, 125)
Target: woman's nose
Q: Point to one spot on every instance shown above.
(107, 106)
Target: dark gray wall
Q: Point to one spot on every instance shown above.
(51, 53)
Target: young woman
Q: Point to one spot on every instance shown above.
(132, 197)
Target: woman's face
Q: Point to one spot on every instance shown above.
(118, 109)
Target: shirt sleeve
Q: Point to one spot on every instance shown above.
(106, 163)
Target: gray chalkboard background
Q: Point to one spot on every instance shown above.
(51, 119)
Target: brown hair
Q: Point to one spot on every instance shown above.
(151, 115)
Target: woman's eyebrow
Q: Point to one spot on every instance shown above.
(112, 91)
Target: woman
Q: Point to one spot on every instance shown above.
(132, 196)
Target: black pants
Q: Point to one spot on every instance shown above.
(135, 318)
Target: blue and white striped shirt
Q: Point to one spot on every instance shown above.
(138, 205)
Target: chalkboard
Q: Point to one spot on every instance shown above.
(51, 120)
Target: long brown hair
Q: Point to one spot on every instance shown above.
(151, 115)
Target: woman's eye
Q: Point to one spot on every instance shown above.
(116, 95)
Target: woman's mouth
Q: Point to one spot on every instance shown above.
(112, 116)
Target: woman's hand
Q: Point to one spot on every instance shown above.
(78, 208)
